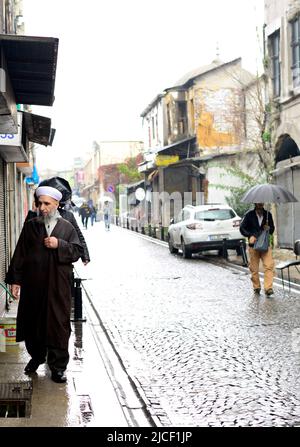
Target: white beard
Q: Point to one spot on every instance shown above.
(49, 217)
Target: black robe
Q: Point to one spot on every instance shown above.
(44, 275)
(69, 216)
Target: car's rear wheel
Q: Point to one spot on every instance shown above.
(186, 252)
(172, 249)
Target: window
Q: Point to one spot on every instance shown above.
(179, 218)
(153, 128)
(149, 136)
(275, 64)
(215, 214)
(186, 214)
(295, 44)
(182, 112)
(169, 119)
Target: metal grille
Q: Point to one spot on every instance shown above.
(15, 399)
(12, 409)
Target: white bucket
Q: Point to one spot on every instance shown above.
(2, 340)
(7, 332)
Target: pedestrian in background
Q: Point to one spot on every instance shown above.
(106, 214)
(85, 213)
(93, 215)
(39, 274)
(252, 225)
(92, 212)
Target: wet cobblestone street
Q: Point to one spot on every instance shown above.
(203, 348)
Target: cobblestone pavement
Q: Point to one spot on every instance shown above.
(204, 349)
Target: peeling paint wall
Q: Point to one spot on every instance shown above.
(218, 117)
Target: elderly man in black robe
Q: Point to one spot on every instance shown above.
(40, 275)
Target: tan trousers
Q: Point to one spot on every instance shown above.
(268, 264)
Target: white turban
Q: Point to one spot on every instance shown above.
(48, 191)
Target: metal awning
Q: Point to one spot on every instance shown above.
(179, 147)
(31, 65)
(134, 186)
(25, 167)
(38, 128)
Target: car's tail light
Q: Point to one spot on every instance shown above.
(195, 226)
(236, 223)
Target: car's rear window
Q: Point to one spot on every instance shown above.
(214, 214)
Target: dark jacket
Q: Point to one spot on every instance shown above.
(250, 225)
(45, 279)
(69, 216)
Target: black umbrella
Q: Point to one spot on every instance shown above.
(268, 193)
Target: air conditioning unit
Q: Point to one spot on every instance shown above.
(13, 146)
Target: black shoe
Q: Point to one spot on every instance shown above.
(257, 291)
(31, 366)
(269, 292)
(58, 377)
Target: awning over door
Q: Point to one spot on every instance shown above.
(31, 65)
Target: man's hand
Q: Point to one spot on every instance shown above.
(51, 242)
(15, 291)
(252, 240)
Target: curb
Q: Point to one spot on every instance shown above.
(141, 411)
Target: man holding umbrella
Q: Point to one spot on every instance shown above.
(253, 223)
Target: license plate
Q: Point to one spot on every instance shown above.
(218, 237)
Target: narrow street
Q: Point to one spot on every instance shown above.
(203, 349)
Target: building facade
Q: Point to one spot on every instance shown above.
(100, 173)
(193, 129)
(282, 61)
(19, 129)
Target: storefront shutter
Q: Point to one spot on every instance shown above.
(3, 235)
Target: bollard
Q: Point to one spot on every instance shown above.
(244, 254)
(225, 252)
(78, 300)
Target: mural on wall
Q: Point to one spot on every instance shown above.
(218, 117)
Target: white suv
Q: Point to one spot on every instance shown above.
(205, 227)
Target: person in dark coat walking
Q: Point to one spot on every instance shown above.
(64, 187)
(253, 223)
(39, 274)
(84, 212)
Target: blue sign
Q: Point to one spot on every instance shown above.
(110, 188)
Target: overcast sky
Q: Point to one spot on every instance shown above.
(115, 56)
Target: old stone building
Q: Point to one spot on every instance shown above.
(282, 61)
(192, 131)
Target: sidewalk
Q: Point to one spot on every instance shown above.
(89, 397)
(279, 255)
